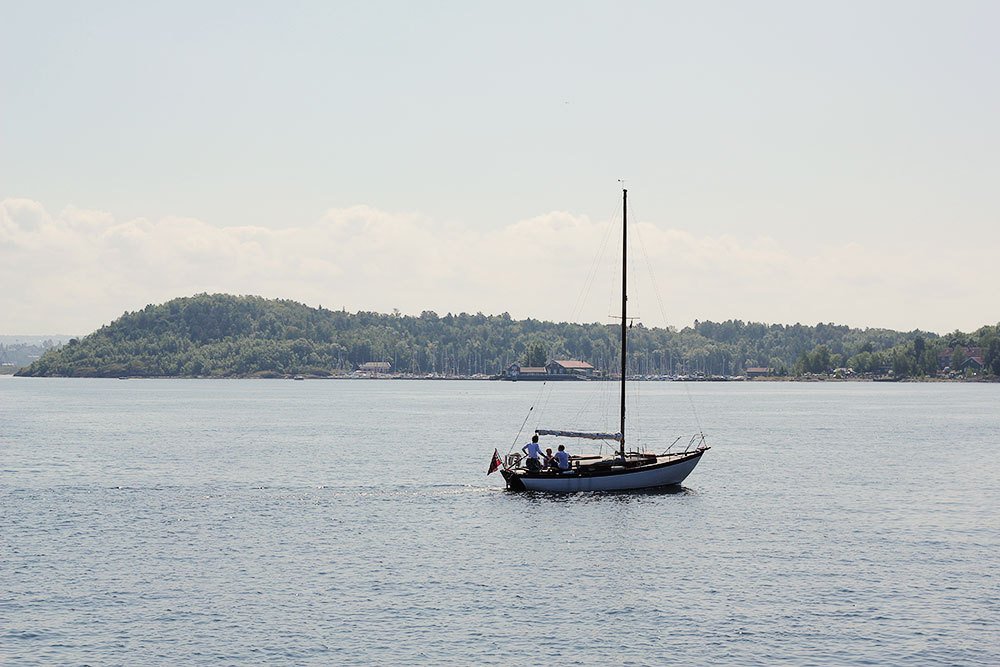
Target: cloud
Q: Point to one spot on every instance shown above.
(76, 270)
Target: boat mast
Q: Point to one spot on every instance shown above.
(624, 321)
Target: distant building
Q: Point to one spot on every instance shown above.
(375, 367)
(974, 364)
(569, 367)
(759, 372)
(562, 369)
(519, 372)
(972, 357)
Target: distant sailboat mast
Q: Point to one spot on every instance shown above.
(624, 314)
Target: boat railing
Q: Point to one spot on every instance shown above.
(696, 442)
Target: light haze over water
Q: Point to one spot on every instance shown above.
(350, 522)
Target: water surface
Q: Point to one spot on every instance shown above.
(350, 522)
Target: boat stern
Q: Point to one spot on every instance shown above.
(513, 480)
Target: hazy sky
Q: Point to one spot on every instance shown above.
(786, 161)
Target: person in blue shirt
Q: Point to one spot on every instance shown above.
(533, 451)
(562, 458)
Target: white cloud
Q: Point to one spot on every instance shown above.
(74, 271)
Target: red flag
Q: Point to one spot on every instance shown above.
(495, 463)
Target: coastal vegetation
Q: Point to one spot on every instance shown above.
(219, 335)
(19, 351)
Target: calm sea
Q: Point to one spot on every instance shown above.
(351, 522)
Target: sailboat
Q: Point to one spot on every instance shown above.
(625, 470)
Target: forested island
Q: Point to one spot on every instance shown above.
(220, 335)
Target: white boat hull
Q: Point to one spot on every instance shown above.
(667, 471)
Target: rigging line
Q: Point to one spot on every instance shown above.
(632, 270)
(526, 417)
(609, 390)
(548, 395)
(614, 292)
(652, 278)
(638, 411)
(606, 398)
(694, 411)
(637, 233)
(585, 407)
(588, 283)
(518, 436)
(597, 403)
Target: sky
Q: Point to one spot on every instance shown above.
(786, 161)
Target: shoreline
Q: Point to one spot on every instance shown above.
(479, 378)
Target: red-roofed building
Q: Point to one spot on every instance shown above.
(569, 367)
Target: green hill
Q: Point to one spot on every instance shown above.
(220, 335)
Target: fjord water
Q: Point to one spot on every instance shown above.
(350, 522)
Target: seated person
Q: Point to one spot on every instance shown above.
(549, 461)
(562, 458)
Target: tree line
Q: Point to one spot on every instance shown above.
(18, 354)
(219, 335)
